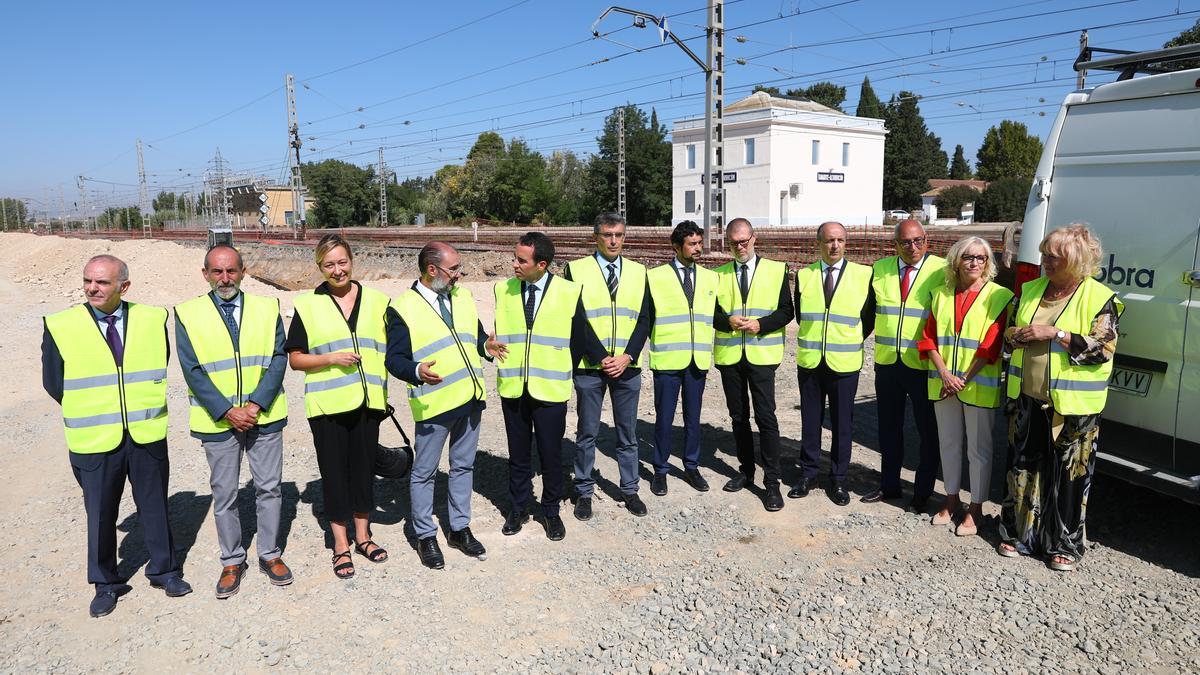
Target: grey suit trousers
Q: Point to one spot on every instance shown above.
(589, 392)
(265, 454)
(463, 432)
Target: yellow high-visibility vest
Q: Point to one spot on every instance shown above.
(235, 370)
(338, 389)
(454, 349)
(101, 400)
(682, 333)
(1074, 389)
(539, 358)
(898, 323)
(613, 319)
(834, 333)
(764, 349)
(958, 347)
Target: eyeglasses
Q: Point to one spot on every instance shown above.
(456, 271)
(739, 243)
(916, 242)
(977, 259)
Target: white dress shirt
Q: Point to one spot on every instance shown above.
(237, 304)
(837, 270)
(100, 317)
(540, 284)
(604, 266)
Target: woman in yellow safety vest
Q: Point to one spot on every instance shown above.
(962, 338)
(1063, 337)
(337, 337)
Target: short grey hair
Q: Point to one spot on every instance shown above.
(608, 218)
(122, 268)
(954, 258)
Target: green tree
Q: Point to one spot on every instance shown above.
(773, 91)
(164, 201)
(647, 169)
(345, 194)
(825, 93)
(869, 104)
(1008, 151)
(960, 169)
(519, 192)
(120, 218)
(566, 178)
(1003, 200)
(1187, 37)
(14, 213)
(405, 199)
(950, 201)
(911, 154)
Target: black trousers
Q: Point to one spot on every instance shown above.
(893, 384)
(746, 383)
(102, 476)
(346, 444)
(527, 419)
(816, 386)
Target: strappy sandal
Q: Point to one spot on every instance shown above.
(1056, 562)
(377, 556)
(1007, 550)
(344, 570)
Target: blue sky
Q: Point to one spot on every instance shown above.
(83, 80)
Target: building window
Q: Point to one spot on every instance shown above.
(845, 154)
(749, 151)
(816, 152)
(691, 156)
(689, 201)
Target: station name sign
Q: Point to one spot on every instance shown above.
(730, 177)
(830, 177)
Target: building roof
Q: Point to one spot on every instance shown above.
(937, 185)
(761, 99)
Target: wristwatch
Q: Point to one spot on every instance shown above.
(1060, 335)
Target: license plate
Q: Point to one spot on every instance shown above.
(1128, 381)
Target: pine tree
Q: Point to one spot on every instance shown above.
(868, 103)
(911, 154)
(960, 169)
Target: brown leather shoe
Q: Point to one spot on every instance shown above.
(230, 580)
(276, 571)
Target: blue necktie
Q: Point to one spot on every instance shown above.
(228, 308)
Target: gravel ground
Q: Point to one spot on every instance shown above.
(706, 582)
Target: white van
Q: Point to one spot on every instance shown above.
(1124, 158)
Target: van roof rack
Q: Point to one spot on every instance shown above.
(1153, 62)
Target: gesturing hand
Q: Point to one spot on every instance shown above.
(497, 349)
(425, 372)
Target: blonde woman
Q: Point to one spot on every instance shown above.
(962, 340)
(1063, 337)
(337, 337)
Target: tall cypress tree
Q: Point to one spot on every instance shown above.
(911, 154)
(959, 168)
(868, 103)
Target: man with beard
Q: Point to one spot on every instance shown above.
(434, 342)
(754, 306)
(230, 347)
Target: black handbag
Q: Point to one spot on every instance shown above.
(394, 462)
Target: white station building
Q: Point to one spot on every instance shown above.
(787, 162)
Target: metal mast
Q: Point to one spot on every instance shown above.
(142, 196)
(299, 221)
(218, 194)
(714, 123)
(383, 214)
(621, 162)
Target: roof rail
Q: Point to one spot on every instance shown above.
(1128, 63)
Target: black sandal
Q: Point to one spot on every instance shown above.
(377, 556)
(340, 570)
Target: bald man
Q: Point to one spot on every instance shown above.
(835, 311)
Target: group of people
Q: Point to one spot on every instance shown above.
(942, 328)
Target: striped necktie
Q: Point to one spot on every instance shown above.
(612, 280)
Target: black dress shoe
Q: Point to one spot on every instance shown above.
(879, 496)
(917, 505)
(230, 580)
(800, 489)
(692, 477)
(635, 505)
(513, 523)
(106, 601)
(555, 529)
(773, 501)
(583, 508)
(837, 494)
(174, 587)
(736, 483)
(431, 553)
(658, 484)
(466, 542)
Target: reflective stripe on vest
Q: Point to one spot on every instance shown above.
(958, 348)
(613, 319)
(1074, 389)
(898, 323)
(681, 334)
(234, 371)
(833, 333)
(455, 352)
(539, 358)
(338, 389)
(764, 349)
(101, 401)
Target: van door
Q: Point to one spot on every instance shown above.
(1187, 430)
(1127, 168)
